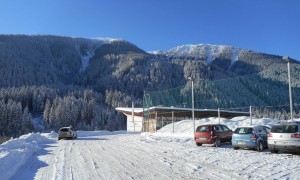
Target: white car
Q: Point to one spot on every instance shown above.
(284, 136)
(67, 132)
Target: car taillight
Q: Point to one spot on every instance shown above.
(270, 135)
(295, 136)
(253, 136)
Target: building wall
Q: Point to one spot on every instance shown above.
(135, 126)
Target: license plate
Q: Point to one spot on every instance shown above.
(241, 142)
(202, 139)
(281, 142)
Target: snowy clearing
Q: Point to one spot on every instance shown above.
(122, 155)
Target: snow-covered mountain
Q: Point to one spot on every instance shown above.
(202, 52)
(119, 72)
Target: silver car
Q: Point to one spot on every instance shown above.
(284, 136)
(67, 132)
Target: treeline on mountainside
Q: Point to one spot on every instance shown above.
(47, 76)
(13, 120)
(267, 91)
(39, 60)
(131, 72)
(82, 109)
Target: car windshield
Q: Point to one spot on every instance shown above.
(203, 129)
(244, 130)
(64, 130)
(284, 129)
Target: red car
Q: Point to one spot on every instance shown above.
(212, 134)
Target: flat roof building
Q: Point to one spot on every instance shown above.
(156, 117)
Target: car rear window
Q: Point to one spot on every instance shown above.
(267, 129)
(245, 130)
(202, 129)
(284, 129)
(64, 130)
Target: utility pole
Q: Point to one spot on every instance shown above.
(288, 60)
(219, 115)
(193, 104)
(133, 116)
(250, 115)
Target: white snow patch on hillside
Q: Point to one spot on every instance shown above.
(202, 51)
(107, 39)
(235, 55)
(85, 60)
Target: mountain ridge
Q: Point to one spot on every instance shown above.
(95, 76)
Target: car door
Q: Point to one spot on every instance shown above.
(228, 133)
(265, 131)
(261, 134)
(220, 133)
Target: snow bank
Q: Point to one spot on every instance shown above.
(183, 130)
(15, 152)
(186, 126)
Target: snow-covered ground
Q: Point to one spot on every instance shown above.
(122, 155)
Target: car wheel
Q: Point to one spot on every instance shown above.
(260, 146)
(198, 144)
(273, 151)
(58, 138)
(218, 143)
(236, 148)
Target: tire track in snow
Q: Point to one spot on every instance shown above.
(126, 156)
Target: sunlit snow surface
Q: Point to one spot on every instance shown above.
(160, 155)
(202, 51)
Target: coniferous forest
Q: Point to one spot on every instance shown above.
(75, 81)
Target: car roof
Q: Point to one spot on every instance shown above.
(288, 123)
(210, 124)
(251, 126)
(246, 127)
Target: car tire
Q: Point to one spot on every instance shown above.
(273, 151)
(217, 143)
(260, 146)
(198, 144)
(58, 139)
(236, 148)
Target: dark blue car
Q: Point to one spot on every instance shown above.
(251, 137)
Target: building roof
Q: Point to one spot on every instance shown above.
(180, 112)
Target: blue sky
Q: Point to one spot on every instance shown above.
(270, 26)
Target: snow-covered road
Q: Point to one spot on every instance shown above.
(119, 155)
(122, 155)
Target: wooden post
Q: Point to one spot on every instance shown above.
(219, 114)
(173, 120)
